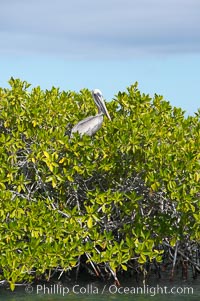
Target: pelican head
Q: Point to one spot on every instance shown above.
(98, 99)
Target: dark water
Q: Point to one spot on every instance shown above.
(162, 290)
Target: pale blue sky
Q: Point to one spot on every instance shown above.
(105, 44)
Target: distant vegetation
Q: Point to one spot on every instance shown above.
(125, 200)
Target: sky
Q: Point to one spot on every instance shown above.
(105, 44)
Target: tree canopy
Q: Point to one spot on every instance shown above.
(118, 199)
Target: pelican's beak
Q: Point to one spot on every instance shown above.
(98, 98)
(104, 109)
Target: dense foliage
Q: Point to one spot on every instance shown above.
(112, 202)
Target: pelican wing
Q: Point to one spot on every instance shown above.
(89, 125)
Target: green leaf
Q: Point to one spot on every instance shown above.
(90, 222)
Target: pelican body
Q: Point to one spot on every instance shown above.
(90, 125)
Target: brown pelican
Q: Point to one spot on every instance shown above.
(90, 125)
